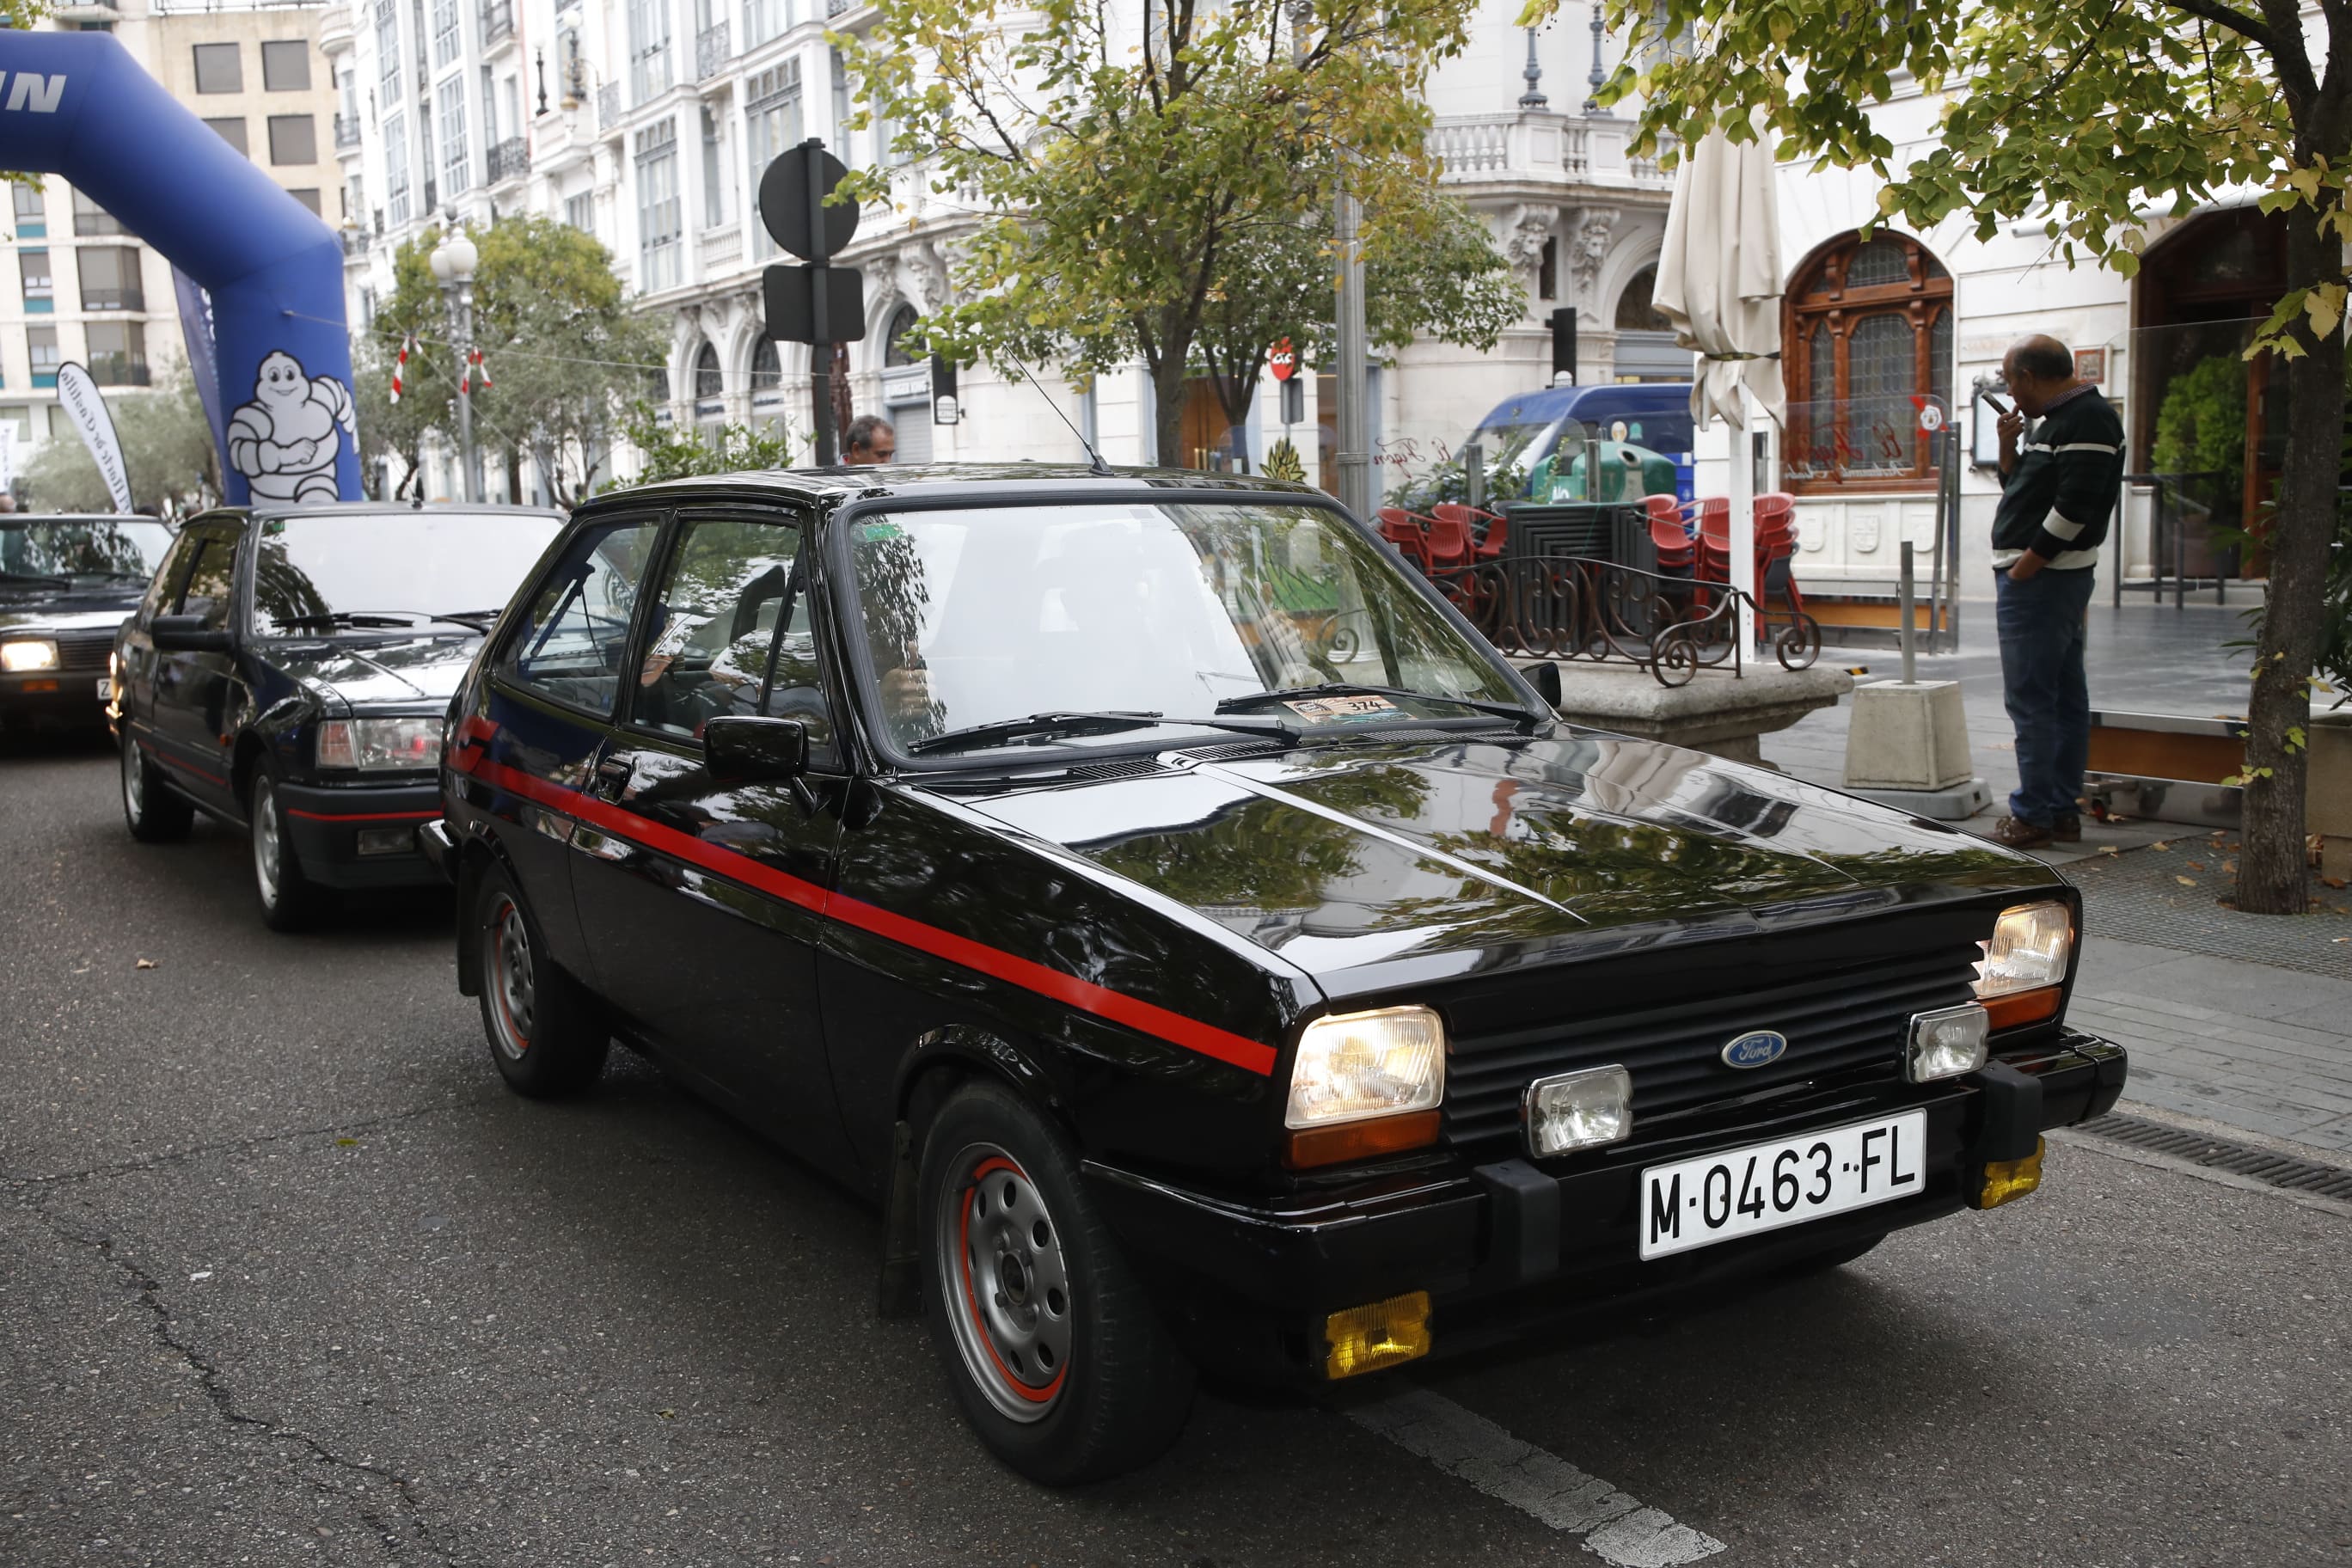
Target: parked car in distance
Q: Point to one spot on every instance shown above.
(288, 670)
(1205, 949)
(66, 583)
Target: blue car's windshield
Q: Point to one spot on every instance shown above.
(82, 549)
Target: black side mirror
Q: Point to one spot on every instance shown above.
(187, 634)
(747, 749)
(1545, 678)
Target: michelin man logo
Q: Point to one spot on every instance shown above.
(284, 442)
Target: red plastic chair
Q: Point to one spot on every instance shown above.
(1775, 547)
(1398, 528)
(1450, 544)
(1669, 535)
(1497, 537)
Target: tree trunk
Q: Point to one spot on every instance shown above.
(1168, 412)
(2271, 865)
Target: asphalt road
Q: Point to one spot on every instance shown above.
(287, 1277)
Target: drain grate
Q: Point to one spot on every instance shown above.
(2220, 1154)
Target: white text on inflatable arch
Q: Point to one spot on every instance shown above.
(32, 90)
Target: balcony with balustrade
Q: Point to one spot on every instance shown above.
(498, 24)
(510, 160)
(718, 249)
(713, 47)
(1536, 148)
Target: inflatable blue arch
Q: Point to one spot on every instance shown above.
(280, 392)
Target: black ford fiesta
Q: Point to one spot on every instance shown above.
(288, 671)
(1202, 946)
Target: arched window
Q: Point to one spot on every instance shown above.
(767, 370)
(893, 350)
(1646, 349)
(708, 382)
(1635, 314)
(1867, 327)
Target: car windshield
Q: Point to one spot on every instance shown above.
(1152, 612)
(373, 573)
(81, 550)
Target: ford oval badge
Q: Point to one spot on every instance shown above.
(1754, 1049)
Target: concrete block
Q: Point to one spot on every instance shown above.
(1717, 711)
(2327, 803)
(1907, 737)
(1958, 804)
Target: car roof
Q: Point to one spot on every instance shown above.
(1545, 404)
(359, 509)
(11, 517)
(944, 481)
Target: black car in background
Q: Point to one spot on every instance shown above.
(1203, 946)
(66, 583)
(288, 670)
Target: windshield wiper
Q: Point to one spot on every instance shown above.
(1351, 689)
(369, 618)
(1005, 731)
(481, 620)
(37, 579)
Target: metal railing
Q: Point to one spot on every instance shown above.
(347, 133)
(713, 47)
(1573, 606)
(510, 160)
(498, 21)
(355, 241)
(1541, 145)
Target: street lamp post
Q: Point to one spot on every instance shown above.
(453, 266)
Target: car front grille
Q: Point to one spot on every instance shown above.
(1844, 1022)
(85, 653)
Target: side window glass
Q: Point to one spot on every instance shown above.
(165, 588)
(576, 632)
(209, 591)
(731, 634)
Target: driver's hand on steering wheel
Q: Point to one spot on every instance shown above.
(906, 690)
(657, 665)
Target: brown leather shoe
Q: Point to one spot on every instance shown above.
(2018, 834)
(2067, 829)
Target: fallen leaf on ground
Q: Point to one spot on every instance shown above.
(2161, 843)
(2331, 881)
(2195, 865)
(2109, 849)
(2186, 881)
(2230, 868)
(146, 964)
(346, 1143)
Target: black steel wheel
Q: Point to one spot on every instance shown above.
(1054, 1347)
(152, 809)
(546, 1035)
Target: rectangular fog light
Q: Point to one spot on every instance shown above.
(1579, 1111)
(1366, 1339)
(2005, 1181)
(387, 840)
(1947, 1043)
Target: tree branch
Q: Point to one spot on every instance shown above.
(2229, 16)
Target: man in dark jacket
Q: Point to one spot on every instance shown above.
(2059, 486)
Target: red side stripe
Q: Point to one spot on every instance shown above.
(363, 815)
(170, 761)
(1253, 1055)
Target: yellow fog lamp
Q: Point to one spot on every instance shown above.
(1385, 1333)
(2005, 1181)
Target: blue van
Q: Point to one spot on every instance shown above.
(1524, 431)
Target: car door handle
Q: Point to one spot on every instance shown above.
(603, 846)
(612, 777)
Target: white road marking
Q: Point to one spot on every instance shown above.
(1618, 1528)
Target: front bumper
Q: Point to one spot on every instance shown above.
(328, 821)
(50, 699)
(1505, 1245)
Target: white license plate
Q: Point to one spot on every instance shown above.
(106, 688)
(1764, 1186)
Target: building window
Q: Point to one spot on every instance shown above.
(118, 353)
(772, 109)
(580, 212)
(660, 214)
(309, 196)
(387, 49)
(648, 49)
(894, 347)
(219, 69)
(41, 348)
(765, 19)
(285, 65)
(32, 216)
(1547, 269)
(710, 387)
(1866, 328)
(840, 136)
(110, 277)
(395, 168)
(714, 183)
(41, 289)
(293, 139)
(449, 107)
(446, 35)
(231, 131)
(90, 219)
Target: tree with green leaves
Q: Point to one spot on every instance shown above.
(565, 355)
(1127, 161)
(167, 454)
(2082, 115)
(668, 450)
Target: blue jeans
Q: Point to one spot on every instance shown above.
(2042, 682)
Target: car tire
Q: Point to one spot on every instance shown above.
(547, 1037)
(154, 811)
(1058, 1359)
(289, 901)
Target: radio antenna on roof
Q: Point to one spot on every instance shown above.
(1096, 464)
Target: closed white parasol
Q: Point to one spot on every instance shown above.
(1720, 284)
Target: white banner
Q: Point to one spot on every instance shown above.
(78, 395)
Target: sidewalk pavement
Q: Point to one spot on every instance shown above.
(2243, 1020)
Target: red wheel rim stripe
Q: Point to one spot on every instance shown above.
(1029, 1392)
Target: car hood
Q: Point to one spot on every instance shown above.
(415, 670)
(50, 618)
(1371, 864)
